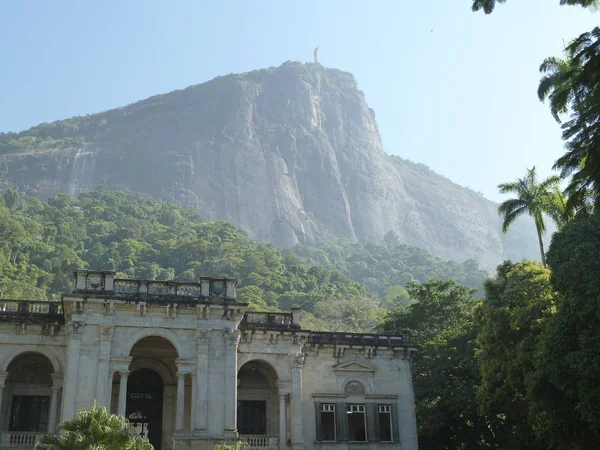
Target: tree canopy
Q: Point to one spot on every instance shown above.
(95, 429)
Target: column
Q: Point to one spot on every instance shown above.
(109, 385)
(180, 402)
(123, 393)
(282, 420)
(3, 376)
(102, 398)
(200, 423)
(71, 371)
(194, 407)
(232, 337)
(296, 406)
(53, 409)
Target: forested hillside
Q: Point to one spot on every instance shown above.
(42, 243)
(387, 269)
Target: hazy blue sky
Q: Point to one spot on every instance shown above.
(453, 89)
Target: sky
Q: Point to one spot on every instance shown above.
(452, 89)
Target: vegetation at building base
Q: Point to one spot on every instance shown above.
(95, 429)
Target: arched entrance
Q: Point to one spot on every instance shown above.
(258, 402)
(28, 400)
(150, 397)
(144, 410)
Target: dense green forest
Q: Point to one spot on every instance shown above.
(387, 269)
(44, 242)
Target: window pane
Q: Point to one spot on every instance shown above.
(29, 413)
(357, 426)
(252, 417)
(385, 427)
(328, 424)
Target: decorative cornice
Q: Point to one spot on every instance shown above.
(298, 360)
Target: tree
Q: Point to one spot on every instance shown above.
(509, 321)
(93, 430)
(572, 86)
(488, 5)
(446, 373)
(568, 356)
(532, 198)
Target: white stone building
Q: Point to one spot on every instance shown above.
(190, 368)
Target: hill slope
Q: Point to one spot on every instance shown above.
(291, 155)
(141, 238)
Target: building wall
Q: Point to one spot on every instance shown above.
(205, 347)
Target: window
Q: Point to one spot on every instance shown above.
(252, 417)
(357, 423)
(29, 413)
(384, 417)
(328, 431)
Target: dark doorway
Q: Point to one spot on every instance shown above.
(145, 405)
(252, 417)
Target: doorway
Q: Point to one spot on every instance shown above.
(144, 409)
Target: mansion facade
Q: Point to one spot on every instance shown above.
(190, 368)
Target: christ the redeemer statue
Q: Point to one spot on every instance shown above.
(315, 53)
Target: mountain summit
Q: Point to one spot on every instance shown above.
(289, 154)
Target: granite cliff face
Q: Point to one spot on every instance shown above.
(289, 154)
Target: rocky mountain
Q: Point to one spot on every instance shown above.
(289, 154)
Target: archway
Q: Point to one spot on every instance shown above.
(258, 406)
(144, 408)
(28, 394)
(151, 389)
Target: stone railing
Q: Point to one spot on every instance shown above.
(104, 283)
(31, 310)
(358, 339)
(18, 439)
(269, 321)
(259, 441)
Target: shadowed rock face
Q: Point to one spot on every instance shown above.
(289, 154)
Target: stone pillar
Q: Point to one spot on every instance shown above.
(180, 402)
(296, 406)
(72, 370)
(200, 421)
(102, 398)
(57, 384)
(123, 394)
(53, 409)
(194, 403)
(282, 420)
(232, 337)
(3, 414)
(109, 385)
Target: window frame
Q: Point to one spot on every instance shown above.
(385, 409)
(349, 410)
(329, 408)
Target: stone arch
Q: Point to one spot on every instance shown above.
(266, 359)
(45, 351)
(158, 332)
(156, 365)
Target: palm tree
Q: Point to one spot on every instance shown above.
(93, 430)
(532, 198)
(572, 86)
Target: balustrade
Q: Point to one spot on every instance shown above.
(269, 321)
(260, 441)
(18, 439)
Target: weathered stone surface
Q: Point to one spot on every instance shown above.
(289, 154)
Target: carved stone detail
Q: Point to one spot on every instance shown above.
(354, 387)
(203, 336)
(232, 336)
(298, 360)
